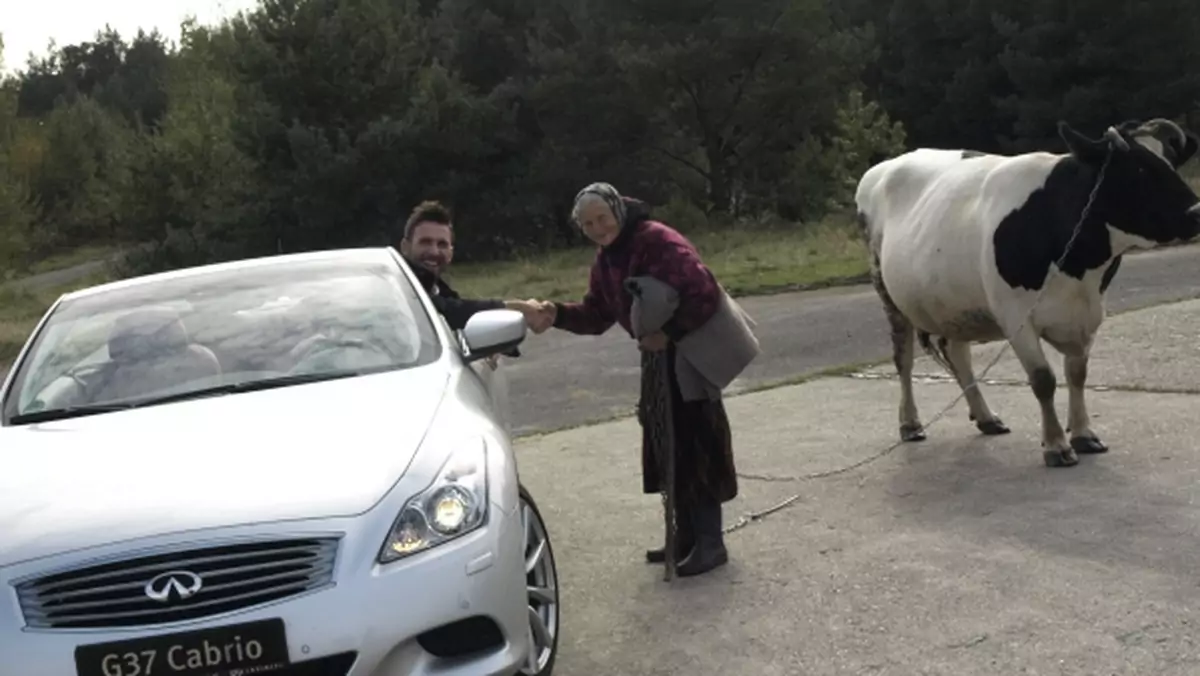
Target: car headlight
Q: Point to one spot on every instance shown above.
(455, 504)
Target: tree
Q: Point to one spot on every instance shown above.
(193, 192)
(308, 124)
(16, 213)
(1097, 64)
(997, 75)
(80, 184)
(126, 79)
(732, 83)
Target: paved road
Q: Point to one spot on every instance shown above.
(959, 556)
(565, 380)
(46, 280)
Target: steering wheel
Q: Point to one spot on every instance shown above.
(83, 379)
(85, 376)
(326, 344)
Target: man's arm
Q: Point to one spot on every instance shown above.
(458, 310)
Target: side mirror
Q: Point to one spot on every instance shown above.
(492, 332)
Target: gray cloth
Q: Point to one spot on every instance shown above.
(606, 192)
(150, 353)
(709, 358)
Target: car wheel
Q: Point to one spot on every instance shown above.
(541, 583)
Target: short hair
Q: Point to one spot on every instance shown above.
(428, 211)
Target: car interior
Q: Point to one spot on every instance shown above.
(153, 350)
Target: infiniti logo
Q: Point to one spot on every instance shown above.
(180, 583)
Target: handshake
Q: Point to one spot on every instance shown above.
(539, 314)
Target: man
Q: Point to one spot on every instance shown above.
(428, 246)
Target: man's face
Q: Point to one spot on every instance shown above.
(430, 246)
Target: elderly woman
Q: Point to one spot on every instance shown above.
(633, 247)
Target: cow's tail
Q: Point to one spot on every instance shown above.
(864, 226)
(864, 231)
(936, 352)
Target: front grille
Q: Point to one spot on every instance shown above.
(233, 577)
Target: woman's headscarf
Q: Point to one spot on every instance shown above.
(606, 192)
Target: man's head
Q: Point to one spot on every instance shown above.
(428, 238)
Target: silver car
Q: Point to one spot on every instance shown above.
(282, 466)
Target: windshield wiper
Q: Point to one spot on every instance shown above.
(68, 412)
(246, 386)
(216, 390)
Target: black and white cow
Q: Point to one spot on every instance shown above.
(962, 243)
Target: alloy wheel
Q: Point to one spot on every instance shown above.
(541, 583)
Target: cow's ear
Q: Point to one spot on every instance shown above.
(1083, 148)
(1190, 146)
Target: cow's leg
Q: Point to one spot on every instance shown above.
(1083, 439)
(959, 355)
(903, 354)
(1055, 450)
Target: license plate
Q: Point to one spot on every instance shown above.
(254, 647)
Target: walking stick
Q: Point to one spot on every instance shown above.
(666, 454)
(658, 416)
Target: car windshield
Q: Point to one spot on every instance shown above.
(223, 330)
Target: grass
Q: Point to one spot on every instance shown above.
(66, 259)
(747, 261)
(20, 310)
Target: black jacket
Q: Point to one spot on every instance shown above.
(456, 309)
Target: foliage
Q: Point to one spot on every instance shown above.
(194, 192)
(309, 124)
(16, 210)
(82, 176)
(820, 175)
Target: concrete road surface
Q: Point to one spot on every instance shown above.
(53, 278)
(565, 380)
(961, 555)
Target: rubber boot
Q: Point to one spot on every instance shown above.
(709, 552)
(684, 537)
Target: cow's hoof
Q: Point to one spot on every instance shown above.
(1064, 457)
(912, 433)
(1088, 445)
(993, 427)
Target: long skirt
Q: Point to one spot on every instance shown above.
(704, 467)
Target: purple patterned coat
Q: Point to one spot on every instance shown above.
(646, 247)
(705, 470)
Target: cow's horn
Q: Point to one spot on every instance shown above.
(1155, 127)
(1115, 137)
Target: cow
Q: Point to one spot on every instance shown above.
(962, 245)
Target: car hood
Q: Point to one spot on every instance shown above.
(308, 451)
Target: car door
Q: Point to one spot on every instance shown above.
(495, 381)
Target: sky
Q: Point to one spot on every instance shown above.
(29, 26)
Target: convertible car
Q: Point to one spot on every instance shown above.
(284, 466)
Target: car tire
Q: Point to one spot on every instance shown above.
(543, 578)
